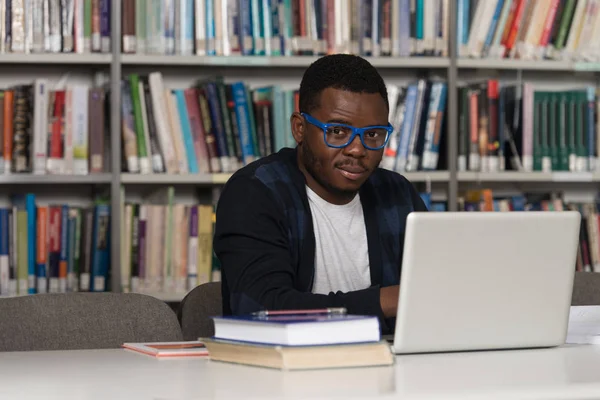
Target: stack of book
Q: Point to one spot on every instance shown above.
(217, 126)
(529, 29)
(55, 26)
(167, 246)
(525, 128)
(53, 248)
(300, 339)
(397, 28)
(588, 255)
(49, 130)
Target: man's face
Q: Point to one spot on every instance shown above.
(340, 172)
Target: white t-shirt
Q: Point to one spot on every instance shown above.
(341, 249)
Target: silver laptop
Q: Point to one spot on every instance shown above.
(486, 280)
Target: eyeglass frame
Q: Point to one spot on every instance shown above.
(355, 132)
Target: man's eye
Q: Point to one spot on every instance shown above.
(372, 134)
(336, 130)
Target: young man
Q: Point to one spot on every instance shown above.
(320, 225)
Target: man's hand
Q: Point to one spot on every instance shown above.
(388, 299)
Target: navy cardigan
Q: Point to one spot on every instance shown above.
(265, 242)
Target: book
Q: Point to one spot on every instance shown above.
(169, 349)
(584, 325)
(298, 329)
(299, 358)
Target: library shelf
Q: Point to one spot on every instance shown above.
(29, 179)
(515, 176)
(513, 64)
(56, 58)
(274, 61)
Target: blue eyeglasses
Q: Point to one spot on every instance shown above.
(341, 135)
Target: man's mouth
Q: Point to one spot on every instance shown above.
(352, 172)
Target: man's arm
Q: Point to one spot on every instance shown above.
(251, 242)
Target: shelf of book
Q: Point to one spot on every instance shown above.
(275, 61)
(515, 176)
(220, 179)
(32, 179)
(56, 58)
(167, 179)
(513, 64)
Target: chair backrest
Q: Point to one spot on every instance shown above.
(73, 321)
(586, 289)
(197, 307)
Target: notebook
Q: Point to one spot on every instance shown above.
(298, 329)
(169, 349)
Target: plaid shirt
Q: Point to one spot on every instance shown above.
(387, 199)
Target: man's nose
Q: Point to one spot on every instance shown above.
(355, 148)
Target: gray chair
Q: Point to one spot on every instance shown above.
(586, 289)
(197, 307)
(74, 321)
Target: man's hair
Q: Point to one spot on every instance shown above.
(339, 71)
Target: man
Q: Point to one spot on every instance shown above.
(320, 225)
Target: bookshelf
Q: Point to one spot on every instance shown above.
(281, 68)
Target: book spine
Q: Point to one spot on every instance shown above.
(158, 164)
(54, 250)
(42, 250)
(12, 251)
(80, 97)
(105, 26)
(100, 255)
(4, 252)
(197, 128)
(63, 267)
(186, 132)
(96, 26)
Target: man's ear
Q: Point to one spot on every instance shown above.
(298, 127)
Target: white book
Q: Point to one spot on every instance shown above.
(2, 26)
(18, 26)
(186, 10)
(395, 11)
(429, 32)
(474, 28)
(169, 26)
(585, 38)
(339, 32)
(80, 96)
(574, 31)
(141, 20)
(68, 15)
(159, 110)
(593, 51)
(55, 31)
(176, 133)
(376, 45)
(38, 31)
(200, 26)
(79, 45)
(584, 325)
(483, 27)
(29, 25)
(525, 47)
(39, 149)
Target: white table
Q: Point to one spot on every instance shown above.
(571, 372)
